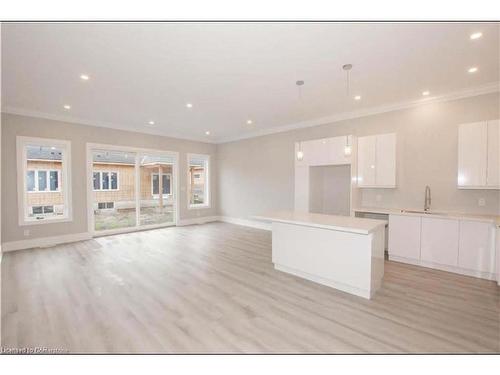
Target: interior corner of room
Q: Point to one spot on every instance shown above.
(323, 197)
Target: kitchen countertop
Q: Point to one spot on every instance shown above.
(438, 214)
(331, 222)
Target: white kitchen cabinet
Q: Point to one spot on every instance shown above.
(377, 161)
(326, 151)
(404, 237)
(439, 241)
(493, 159)
(479, 155)
(476, 246)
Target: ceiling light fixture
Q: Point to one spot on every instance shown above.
(189, 105)
(67, 106)
(475, 36)
(151, 122)
(85, 77)
(299, 84)
(425, 93)
(249, 122)
(473, 69)
(357, 97)
(347, 68)
(300, 153)
(207, 132)
(347, 148)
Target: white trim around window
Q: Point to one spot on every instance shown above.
(64, 180)
(206, 193)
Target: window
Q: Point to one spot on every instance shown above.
(166, 184)
(105, 180)
(105, 205)
(44, 189)
(198, 181)
(42, 180)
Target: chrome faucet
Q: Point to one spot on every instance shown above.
(427, 203)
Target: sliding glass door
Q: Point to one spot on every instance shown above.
(131, 189)
(157, 193)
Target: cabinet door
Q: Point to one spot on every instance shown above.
(366, 161)
(335, 152)
(476, 246)
(439, 241)
(493, 170)
(472, 154)
(385, 168)
(404, 236)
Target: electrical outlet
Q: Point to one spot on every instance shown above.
(481, 202)
(26, 233)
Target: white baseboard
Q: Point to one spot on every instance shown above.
(197, 220)
(246, 222)
(45, 241)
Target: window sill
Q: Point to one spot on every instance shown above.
(198, 206)
(25, 222)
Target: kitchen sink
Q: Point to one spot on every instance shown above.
(422, 212)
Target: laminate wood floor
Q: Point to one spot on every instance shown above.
(212, 289)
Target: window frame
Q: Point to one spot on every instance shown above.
(64, 176)
(100, 180)
(157, 196)
(207, 191)
(47, 177)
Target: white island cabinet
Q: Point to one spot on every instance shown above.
(343, 252)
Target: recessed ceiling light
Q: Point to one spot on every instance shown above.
(84, 77)
(249, 122)
(66, 106)
(189, 105)
(473, 69)
(207, 132)
(476, 35)
(151, 122)
(357, 97)
(425, 93)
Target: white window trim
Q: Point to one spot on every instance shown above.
(47, 181)
(158, 195)
(100, 180)
(207, 203)
(22, 188)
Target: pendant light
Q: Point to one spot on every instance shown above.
(347, 147)
(300, 153)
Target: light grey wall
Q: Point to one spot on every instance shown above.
(329, 189)
(79, 135)
(257, 174)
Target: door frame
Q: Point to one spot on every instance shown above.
(137, 150)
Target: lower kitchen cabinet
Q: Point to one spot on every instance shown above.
(404, 237)
(476, 246)
(439, 241)
(455, 245)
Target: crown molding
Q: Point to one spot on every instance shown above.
(466, 93)
(460, 94)
(101, 124)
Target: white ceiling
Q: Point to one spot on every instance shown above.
(233, 72)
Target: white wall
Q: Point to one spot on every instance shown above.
(257, 175)
(79, 135)
(329, 189)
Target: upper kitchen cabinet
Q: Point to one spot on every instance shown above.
(326, 151)
(377, 161)
(479, 155)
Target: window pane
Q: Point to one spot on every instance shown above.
(30, 180)
(166, 183)
(114, 180)
(105, 180)
(54, 180)
(97, 181)
(42, 180)
(198, 188)
(101, 205)
(155, 184)
(45, 169)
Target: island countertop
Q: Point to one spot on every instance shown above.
(330, 222)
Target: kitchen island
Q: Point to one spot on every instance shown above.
(343, 252)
